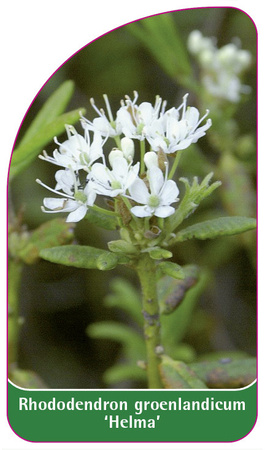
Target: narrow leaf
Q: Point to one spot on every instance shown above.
(53, 107)
(195, 193)
(171, 269)
(226, 372)
(133, 343)
(107, 261)
(171, 292)
(101, 219)
(210, 229)
(27, 152)
(160, 36)
(124, 372)
(177, 375)
(121, 246)
(50, 234)
(126, 297)
(174, 326)
(159, 253)
(81, 256)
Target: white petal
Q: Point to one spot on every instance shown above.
(100, 173)
(100, 189)
(139, 192)
(91, 195)
(120, 167)
(124, 121)
(164, 211)
(141, 211)
(156, 179)
(54, 203)
(60, 205)
(185, 143)
(133, 172)
(77, 215)
(66, 180)
(145, 112)
(170, 192)
(192, 116)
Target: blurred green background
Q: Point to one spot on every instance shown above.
(58, 302)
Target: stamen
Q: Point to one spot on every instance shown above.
(56, 141)
(163, 108)
(108, 107)
(54, 190)
(92, 102)
(136, 95)
(70, 130)
(183, 105)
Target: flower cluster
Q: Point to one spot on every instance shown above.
(144, 184)
(221, 68)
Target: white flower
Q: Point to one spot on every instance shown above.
(171, 132)
(107, 127)
(105, 181)
(75, 199)
(197, 43)
(134, 119)
(76, 152)
(158, 199)
(221, 68)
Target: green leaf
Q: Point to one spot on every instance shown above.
(160, 36)
(124, 372)
(171, 292)
(171, 269)
(27, 152)
(174, 326)
(121, 246)
(210, 229)
(226, 373)
(177, 375)
(52, 233)
(103, 218)
(81, 256)
(195, 193)
(159, 253)
(53, 107)
(107, 261)
(126, 297)
(132, 341)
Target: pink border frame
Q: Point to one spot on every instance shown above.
(104, 34)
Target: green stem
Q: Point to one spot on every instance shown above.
(146, 269)
(104, 211)
(175, 165)
(142, 152)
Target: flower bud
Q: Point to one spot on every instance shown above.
(151, 159)
(127, 146)
(114, 154)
